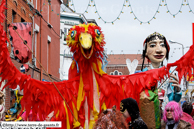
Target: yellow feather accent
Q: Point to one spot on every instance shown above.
(70, 41)
(103, 107)
(95, 113)
(123, 89)
(57, 114)
(100, 72)
(92, 122)
(75, 123)
(98, 88)
(67, 116)
(99, 39)
(81, 93)
(73, 65)
(18, 98)
(92, 24)
(16, 95)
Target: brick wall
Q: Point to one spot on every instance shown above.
(122, 69)
(50, 62)
(7, 98)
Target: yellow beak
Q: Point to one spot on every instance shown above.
(86, 40)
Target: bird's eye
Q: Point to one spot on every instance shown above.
(73, 33)
(97, 32)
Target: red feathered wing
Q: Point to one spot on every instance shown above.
(185, 65)
(115, 88)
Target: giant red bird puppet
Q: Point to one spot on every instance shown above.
(89, 90)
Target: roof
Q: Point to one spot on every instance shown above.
(120, 59)
(92, 21)
(73, 15)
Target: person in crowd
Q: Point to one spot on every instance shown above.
(192, 113)
(161, 93)
(187, 109)
(2, 107)
(129, 108)
(172, 117)
(111, 119)
(29, 117)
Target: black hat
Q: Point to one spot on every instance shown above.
(131, 106)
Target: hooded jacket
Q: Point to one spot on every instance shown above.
(186, 117)
(131, 106)
(181, 125)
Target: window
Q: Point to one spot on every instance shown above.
(61, 34)
(48, 57)
(23, 11)
(22, 20)
(36, 4)
(49, 3)
(116, 72)
(48, 54)
(66, 31)
(14, 16)
(35, 47)
(15, 2)
(36, 31)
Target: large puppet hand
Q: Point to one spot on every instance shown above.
(175, 81)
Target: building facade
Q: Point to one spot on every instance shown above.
(117, 63)
(46, 39)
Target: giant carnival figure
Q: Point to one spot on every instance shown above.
(156, 49)
(77, 102)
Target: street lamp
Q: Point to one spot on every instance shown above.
(171, 41)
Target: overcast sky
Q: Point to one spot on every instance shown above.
(127, 34)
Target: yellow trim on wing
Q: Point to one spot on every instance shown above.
(81, 93)
(75, 123)
(73, 64)
(67, 116)
(57, 114)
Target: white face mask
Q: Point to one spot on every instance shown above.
(156, 51)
